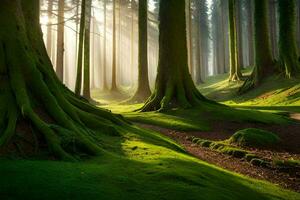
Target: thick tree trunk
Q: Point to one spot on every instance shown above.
(263, 55)
(86, 69)
(60, 40)
(36, 102)
(288, 52)
(235, 70)
(80, 50)
(143, 91)
(174, 85)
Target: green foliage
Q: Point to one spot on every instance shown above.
(254, 138)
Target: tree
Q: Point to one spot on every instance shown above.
(49, 28)
(288, 52)
(174, 86)
(105, 86)
(80, 49)
(273, 27)
(143, 91)
(86, 69)
(114, 49)
(263, 55)
(235, 70)
(33, 96)
(60, 40)
(249, 8)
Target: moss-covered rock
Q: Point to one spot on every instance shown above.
(254, 138)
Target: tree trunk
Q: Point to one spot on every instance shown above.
(86, 68)
(273, 27)
(235, 71)
(198, 42)
(60, 40)
(80, 50)
(143, 91)
(49, 28)
(34, 97)
(288, 53)
(263, 55)
(174, 85)
(114, 58)
(239, 27)
(250, 33)
(190, 37)
(105, 86)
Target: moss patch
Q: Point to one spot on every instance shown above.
(254, 138)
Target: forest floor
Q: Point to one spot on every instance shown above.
(276, 97)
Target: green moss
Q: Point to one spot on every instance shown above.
(235, 152)
(287, 163)
(254, 138)
(259, 162)
(250, 156)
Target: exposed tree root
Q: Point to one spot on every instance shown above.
(30, 90)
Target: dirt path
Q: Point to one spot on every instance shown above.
(285, 180)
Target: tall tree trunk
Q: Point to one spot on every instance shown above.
(105, 86)
(298, 33)
(49, 28)
(250, 32)
(221, 45)
(190, 37)
(132, 41)
(239, 27)
(174, 85)
(80, 49)
(40, 102)
(114, 49)
(86, 69)
(263, 55)
(288, 53)
(273, 27)
(60, 40)
(143, 91)
(235, 71)
(198, 50)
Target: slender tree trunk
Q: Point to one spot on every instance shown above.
(86, 69)
(263, 55)
(250, 32)
(174, 85)
(49, 28)
(80, 49)
(114, 58)
(105, 86)
(48, 110)
(143, 91)
(288, 52)
(235, 71)
(190, 36)
(60, 40)
(198, 50)
(132, 41)
(239, 27)
(273, 28)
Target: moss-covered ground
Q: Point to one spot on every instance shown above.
(142, 165)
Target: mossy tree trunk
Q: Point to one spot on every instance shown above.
(288, 52)
(143, 91)
(235, 69)
(174, 86)
(33, 95)
(264, 65)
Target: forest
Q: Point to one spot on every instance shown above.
(150, 99)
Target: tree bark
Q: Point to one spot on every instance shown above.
(174, 86)
(105, 86)
(34, 96)
(49, 28)
(288, 52)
